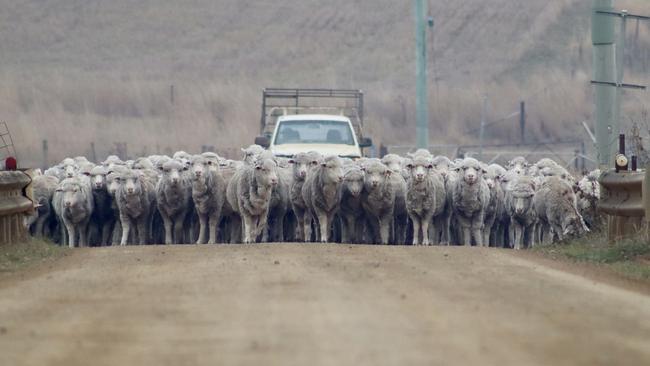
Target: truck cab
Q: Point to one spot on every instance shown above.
(327, 134)
(328, 121)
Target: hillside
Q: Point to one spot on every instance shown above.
(75, 72)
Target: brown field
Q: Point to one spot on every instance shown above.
(80, 72)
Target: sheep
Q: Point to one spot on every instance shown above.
(69, 167)
(322, 195)
(251, 152)
(113, 181)
(426, 197)
(173, 196)
(492, 211)
(301, 163)
(443, 165)
(102, 220)
(519, 205)
(588, 194)
(135, 199)
(209, 194)
(378, 200)
(470, 198)
(249, 195)
(518, 165)
(395, 163)
(43, 187)
(494, 177)
(351, 209)
(555, 206)
(75, 207)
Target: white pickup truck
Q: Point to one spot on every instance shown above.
(293, 121)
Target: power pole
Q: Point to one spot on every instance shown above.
(482, 131)
(421, 105)
(608, 72)
(602, 39)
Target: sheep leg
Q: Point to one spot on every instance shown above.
(178, 230)
(142, 231)
(71, 234)
(416, 230)
(213, 224)
(83, 235)
(167, 222)
(307, 227)
(278, 228)
(518, 237)
(487, 231)
(247, 222)
(106, 233)
(446, 230)
(203, 226)
(425, 230)
(38, 231)
(126, 230)
(385, 226)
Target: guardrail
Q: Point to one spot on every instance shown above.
(14, 204)
(625, 198)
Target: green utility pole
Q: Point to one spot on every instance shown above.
(602, 38)
(421, 105)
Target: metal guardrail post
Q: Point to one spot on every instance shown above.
(13, 206)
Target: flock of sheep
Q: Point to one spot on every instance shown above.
(420, 199)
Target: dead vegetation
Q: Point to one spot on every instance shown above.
(101, 72)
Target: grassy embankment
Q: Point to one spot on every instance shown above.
(629, 258)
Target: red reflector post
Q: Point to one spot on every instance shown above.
(10, 163)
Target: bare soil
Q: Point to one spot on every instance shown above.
(289, 304)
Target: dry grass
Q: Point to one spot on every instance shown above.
(76, 72)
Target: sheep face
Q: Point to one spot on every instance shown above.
(131, 184)
(70, 170)
(301, 163)
(471, 171)
(332, 169)
(172, 171)
(113, 183)
(72, 194)
(572, 226)
(521, 201)
(265, 172)
(375, 174)
(98, 178)
(200, 166)
(97, 181)
(250, 153)
(212, 161)
(419, 169)
(393, 162)
(353, 182)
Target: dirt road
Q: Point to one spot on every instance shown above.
(315, 305)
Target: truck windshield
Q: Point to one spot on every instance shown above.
(314, 132)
